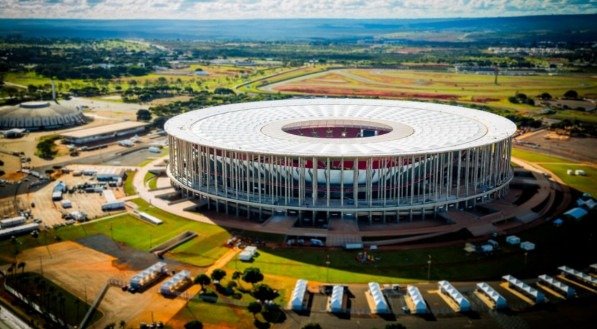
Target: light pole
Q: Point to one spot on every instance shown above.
(429, 268)
(327, 263)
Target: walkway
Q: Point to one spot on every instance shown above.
(406, 231)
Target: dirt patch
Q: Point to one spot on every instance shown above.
(83, 272)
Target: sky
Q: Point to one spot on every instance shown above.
(259, 9)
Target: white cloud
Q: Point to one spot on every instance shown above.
(249, 9)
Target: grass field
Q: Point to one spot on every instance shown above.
(151, 181)
(446, 86)
(201, 251)
(559, 166)
(129, 188)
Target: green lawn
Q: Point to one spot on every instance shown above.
(559, 166)
(151, 181)
(201, 251)
(129, 188)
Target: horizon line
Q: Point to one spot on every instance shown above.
(288, 18)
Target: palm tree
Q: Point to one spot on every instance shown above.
(122, 324)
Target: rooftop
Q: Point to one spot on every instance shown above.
(81, 133)
(340, 127)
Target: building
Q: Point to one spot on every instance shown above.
(43, 115)
(104, 133)
(318, 158)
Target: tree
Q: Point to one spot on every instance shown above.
(203, 280)
(252, 275)
(143, 115)
(254, 308)
(236, 275)
(273, 313)
(572, 94)
(195, 324)
(218, 274)
(545, 96)
(263, 292)
(312, 326)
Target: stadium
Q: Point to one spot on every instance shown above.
(349, 158)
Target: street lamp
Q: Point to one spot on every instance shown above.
(327, 263)
(429, 268)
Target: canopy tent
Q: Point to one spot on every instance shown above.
(557, 285)
(512, 240)
(576, 213)
(148, 275)
(419, 303)
(298, 295)
(527, 246)
(499, 302)
(524, 288)
(463, 304)
(381, 306)
(578, 275)
(172, 285)
(337, 299)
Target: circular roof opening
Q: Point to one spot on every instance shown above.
(336, 128)
(34, 105)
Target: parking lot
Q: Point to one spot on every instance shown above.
(39, 198)
(441, 313)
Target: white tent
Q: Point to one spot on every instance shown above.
(337, 299)
(381, 306)
(578, 275)
(419, 303)
(499, 301)
(529, 291)
(557, 285)
(463, 304)
(298, 295)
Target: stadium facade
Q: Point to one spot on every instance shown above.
(321, 158)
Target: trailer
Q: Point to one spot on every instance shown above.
(18, 230)
(11, 222)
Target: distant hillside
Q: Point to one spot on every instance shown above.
(485, 30)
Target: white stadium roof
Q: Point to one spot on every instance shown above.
(417, 127)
